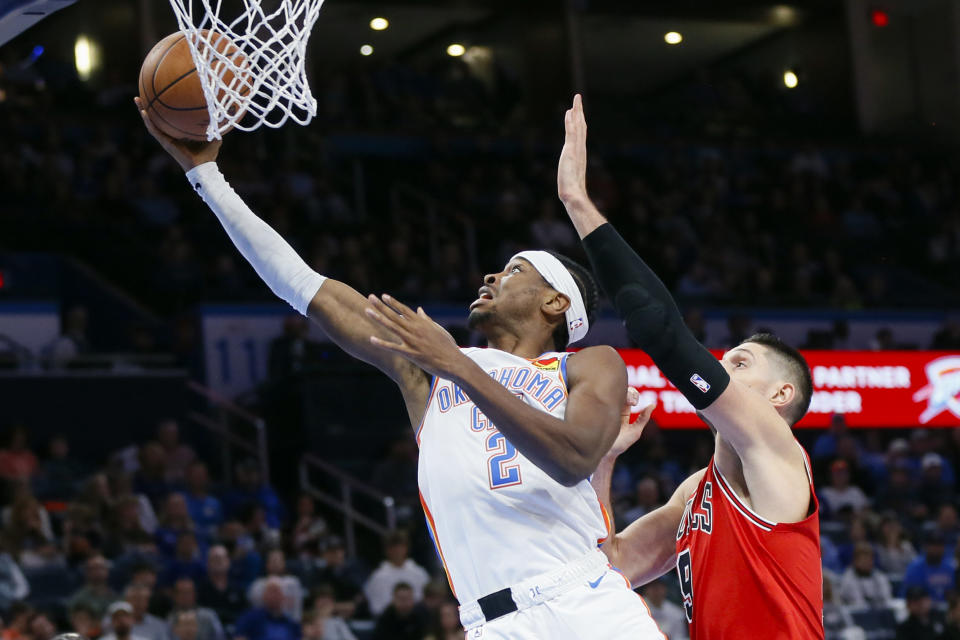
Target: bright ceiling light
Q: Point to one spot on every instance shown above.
(86, 56)
(379, 24)
(672, 37)
(456, 50)
(790, 79)
(366, 50)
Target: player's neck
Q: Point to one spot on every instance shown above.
(524, 347)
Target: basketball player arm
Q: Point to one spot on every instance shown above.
(647, 548)
(567, 449)
(335, 306)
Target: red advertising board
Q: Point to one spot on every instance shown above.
(871, 388)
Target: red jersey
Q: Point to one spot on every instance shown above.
(743, 576)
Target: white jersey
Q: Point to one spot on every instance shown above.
(495, 517)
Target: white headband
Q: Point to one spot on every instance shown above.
(560, 279)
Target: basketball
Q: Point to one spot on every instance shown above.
(170, 88)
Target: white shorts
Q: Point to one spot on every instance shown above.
(604, 608)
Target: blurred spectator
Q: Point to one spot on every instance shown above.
(401, 620)
(28, 533)
(126, 534)
(205, 510)
(216, 591)
(177, 456)
(95, 593)
(73, 340)
(322, 623)
(174, 521)
(669, 617)
(41, 626)
(446, 625)
(862, 585)
(145, 574)
(251, 489)
(186, 563)
(952, 628)
(825, 445)
(120, 615)
(245, 561)
(150, 478)
(346, 576)
(292, 351)
(309, 527)
(895, 552)
(840, 494)
(647, 499)
(145, 625)
(900, 494)
(836, 618)
(269, 620)
(60, 474)
(84, 621)
(397, 568)
(933, 571)
(16, 621)
(948, 337)
(185, 599)
(277, 573)
(922, 622)
(13, 586)
(947, 525)
(17, 462)
(184, 626)
(932, 491)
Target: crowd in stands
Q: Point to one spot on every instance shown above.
(147, 547)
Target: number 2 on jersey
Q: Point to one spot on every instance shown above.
(502, 474)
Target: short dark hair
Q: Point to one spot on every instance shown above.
(589, 290)
(797, 372)
(402, 586)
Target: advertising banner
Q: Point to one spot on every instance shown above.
(870, 388)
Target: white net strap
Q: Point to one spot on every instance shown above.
(262, 78)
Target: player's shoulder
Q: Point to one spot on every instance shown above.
(596, 356)
(595, 363)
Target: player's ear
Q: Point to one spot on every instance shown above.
(783, 394)
(555, 304)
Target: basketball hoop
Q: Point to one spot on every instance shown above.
(266, 83)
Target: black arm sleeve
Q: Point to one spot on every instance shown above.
(653, 319)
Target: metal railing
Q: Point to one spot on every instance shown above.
(226, 419)
(342, 499)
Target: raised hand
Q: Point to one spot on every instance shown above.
(572, 172)
(188, 154)
(630, 431)
(419, 339)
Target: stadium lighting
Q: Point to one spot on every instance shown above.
(366, 50)
(379, 24)
(86, 56)
(790, 79)
(672, 37)
(880, 18)
(456, 50)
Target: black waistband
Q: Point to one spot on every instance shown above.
(497, 604)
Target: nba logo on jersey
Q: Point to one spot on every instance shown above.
(576, 324)
(700, 383)
(547, 364)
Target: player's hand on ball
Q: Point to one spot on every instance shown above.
(418, 338)
(187, 154)
(572, 172)
(630, 429)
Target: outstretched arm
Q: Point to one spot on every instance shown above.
(335, 306)
(647, 548)
(744, 418)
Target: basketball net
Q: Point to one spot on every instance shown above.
(265, 83)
